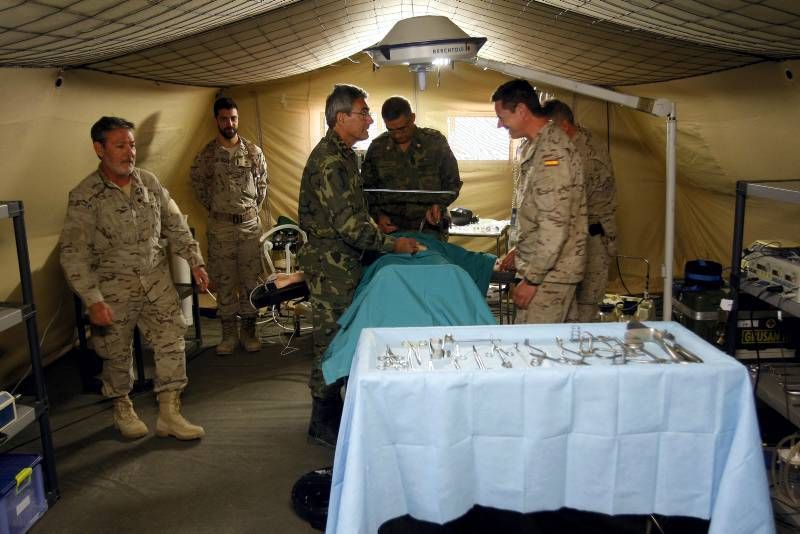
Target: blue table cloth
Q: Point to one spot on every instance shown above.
(671, 439)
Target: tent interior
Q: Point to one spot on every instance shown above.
(730, 66)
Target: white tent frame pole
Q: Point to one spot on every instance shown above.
(659, 107)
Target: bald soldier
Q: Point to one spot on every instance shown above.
(333, 211)
(601, 200)
(551, 220)
(113, 259)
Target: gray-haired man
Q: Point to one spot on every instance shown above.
(113, 259)
(333, 212)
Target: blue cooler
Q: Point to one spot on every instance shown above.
(22, 498)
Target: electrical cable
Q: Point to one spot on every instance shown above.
(41, 344)
(781, 468)
(755, 339)
(288, 349)
(621, 278)
(655, 522)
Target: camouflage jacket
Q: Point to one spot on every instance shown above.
(552, 213)
(428, 164)
(601, 192)
(110, 237)
(228, 183)
(333, 211)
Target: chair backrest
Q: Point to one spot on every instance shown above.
(285, 237)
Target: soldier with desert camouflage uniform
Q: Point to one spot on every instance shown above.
(113, 259)
(410, 158)
(601, 244)
(230, 180)
(333, 211)
(551, 220)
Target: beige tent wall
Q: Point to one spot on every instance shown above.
(291, 119)
(46, 150)
(287, 116)
(738, 133)
(735, 125)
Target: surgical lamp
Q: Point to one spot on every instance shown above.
(423, 43)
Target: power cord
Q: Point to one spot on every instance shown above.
(755, 342)
(41, 344)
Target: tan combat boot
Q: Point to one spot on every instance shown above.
(230, 338)
(126, 420)
(171, 422)
(250, 341)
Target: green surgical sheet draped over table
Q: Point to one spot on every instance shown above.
(442, 286)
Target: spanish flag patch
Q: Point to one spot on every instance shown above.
(551, 162)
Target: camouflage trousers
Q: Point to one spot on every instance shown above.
(329, 300)
(157, 313)
(553, 303)
(234, 265)
(592, 289)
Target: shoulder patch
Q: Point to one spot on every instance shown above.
(551, 162)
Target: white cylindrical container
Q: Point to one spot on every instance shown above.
(181, 273)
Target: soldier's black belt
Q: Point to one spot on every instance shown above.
(596, 229)
(235, 218)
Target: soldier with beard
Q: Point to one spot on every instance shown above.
(230, 179)
(114, 260)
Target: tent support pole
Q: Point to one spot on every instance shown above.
(669, 215)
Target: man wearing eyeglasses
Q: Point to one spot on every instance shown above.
(333, 212)
(416, 172)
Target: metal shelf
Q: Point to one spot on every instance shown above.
(786, 191)
(780, 190)
(757, 289)
(9, 316)
(26, 415)
(25, 312)
(786, 511)
(9, 208)
(772, 393)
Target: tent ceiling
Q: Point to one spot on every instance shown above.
(220, 43)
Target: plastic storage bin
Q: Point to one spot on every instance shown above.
(22, 497)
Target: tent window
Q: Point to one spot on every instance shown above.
(477, 138)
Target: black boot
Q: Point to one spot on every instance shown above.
(326, 414)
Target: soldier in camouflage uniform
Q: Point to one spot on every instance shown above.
(333, 211)
(113, 259)
(409, 158)
(601, 245)
(551, 220)
(230, 179)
